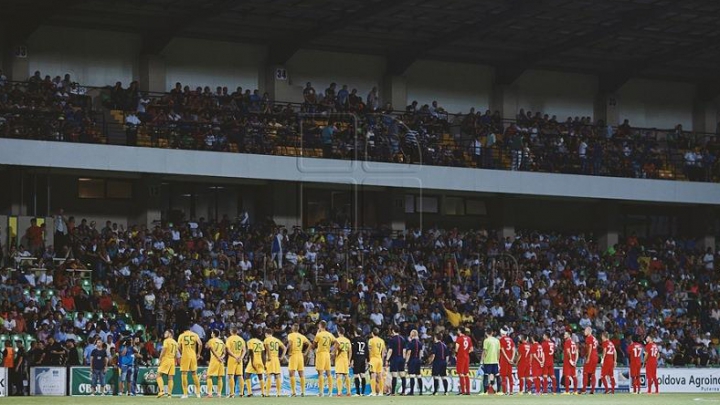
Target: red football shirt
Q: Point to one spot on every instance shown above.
(651, 353)
(591, 344)
(570, 352)
(506, 348)
(538, 354)
(609, 349)
(635, 352)
(465, 346)
(525, 351)
(549, 349)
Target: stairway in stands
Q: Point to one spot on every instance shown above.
(115, 120)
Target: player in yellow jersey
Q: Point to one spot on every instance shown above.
(342, 361)
(236, 349)
(255, 365)
(376, 347)
(273, 346)
(323, 343)
(216, 366)
(168, 355)
(295, 344)
(190, 347)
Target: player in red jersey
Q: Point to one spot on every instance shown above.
(570, 358)
(609, 362)
(651, 363)
(507, 356)
(634, 354)
(591, 361)
(538, 363)
(523, 365)
(549, 370)
(463, 347)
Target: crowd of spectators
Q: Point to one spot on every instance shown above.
(233, 274)
(345, 125)
(47, 108)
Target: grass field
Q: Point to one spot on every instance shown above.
(663, 399)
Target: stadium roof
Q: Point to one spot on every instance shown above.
(615, 39)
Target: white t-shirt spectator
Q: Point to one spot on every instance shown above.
(132, 119)
(709, 261)
(142, 104)
(80, 323)
(377, 318)
(210, 140)
(245, 264)
(158, 281)
(149, 301)
(421, 271)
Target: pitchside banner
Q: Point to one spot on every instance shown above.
(50, 381)
(687, 380)
(671, 380)
(81, 379)
(4, 389)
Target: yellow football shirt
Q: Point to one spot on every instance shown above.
(296, 342)
(376, 348)
(189, 341)
(344, 346)
(324, 341)
(235, 345)
(257, 348)
(217, 346)
(171, 347)
(273, 345)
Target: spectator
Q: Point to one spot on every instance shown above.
(309, 94)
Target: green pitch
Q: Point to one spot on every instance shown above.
(662, 399)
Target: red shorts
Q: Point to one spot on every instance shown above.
(590, 367)
(635, 370)
(523, 370)
(608, 370)
(650, 371)
(505, 369)
(463, 365)
(569, 371)
(549, 370)
(537, 371)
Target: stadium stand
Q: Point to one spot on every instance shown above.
(230, 274)
(360, 250)
(340, 125)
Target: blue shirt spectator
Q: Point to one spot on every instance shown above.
(127, 355)
(88, 352)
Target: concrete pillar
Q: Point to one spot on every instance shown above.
(394, 91)
(276, 81)
(609, 232)
(507, 218)
(286, 204)
(606, 108)
(397, 210)
(706, 115)
(703, 225)
(148, 192)
(153, 74)
(18, 190)
(504, 98)
(16, 68)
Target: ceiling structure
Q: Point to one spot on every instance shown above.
(614, 39)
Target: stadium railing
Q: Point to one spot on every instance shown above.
(654, 153)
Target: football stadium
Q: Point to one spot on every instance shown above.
(394, 201)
